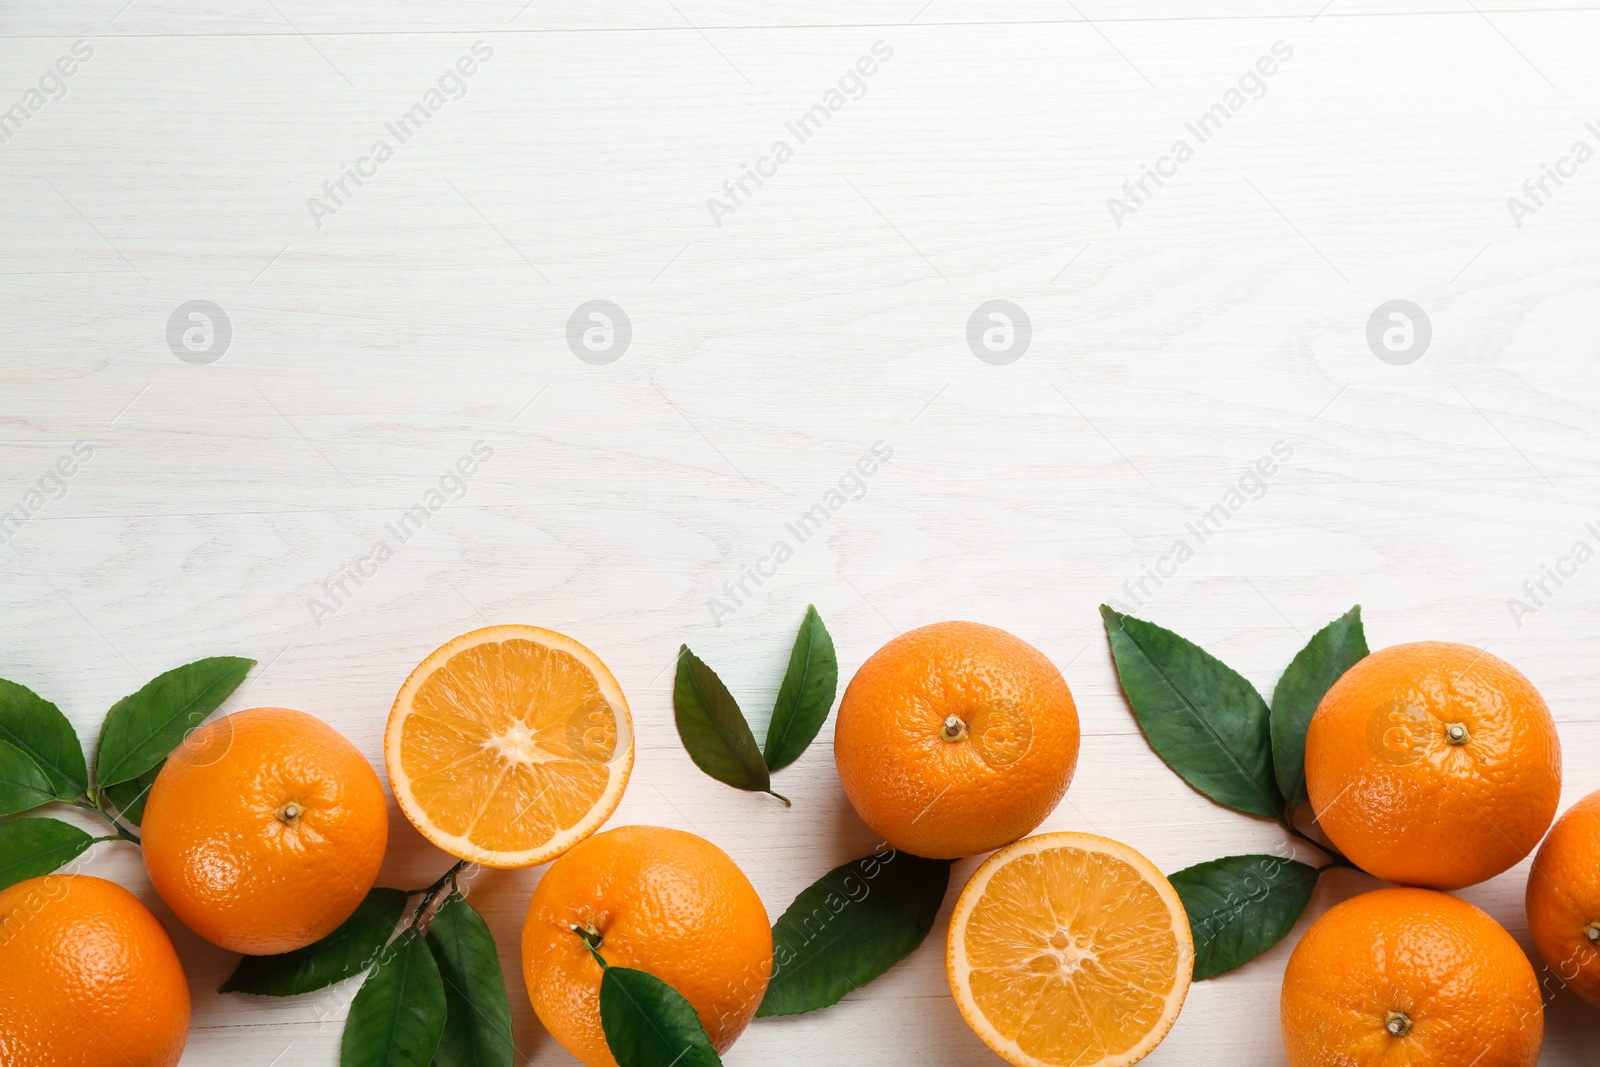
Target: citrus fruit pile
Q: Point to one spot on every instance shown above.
(1436, 766)
(1430, 765)
(1064, 949)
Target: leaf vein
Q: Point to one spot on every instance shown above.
(1267, 800)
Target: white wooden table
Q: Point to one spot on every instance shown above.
(773, 341)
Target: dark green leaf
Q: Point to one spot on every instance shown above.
(31, 847)
(142, 728)
(397, 1017)
(129, 797)
(1240, 906)
(713, 728)
(649, 1024)
(850, 926)
(23, 785)
(1335, 649)
(346, 952)
(477, 1028)
(37, 726)
(1199, 714)
(807, 693)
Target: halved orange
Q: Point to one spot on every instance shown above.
(509, 745)
(1069, 950)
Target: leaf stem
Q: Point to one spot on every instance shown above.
(1336, 858)
(434, 898)
(97, 805)
(591, 938)
(786, 801)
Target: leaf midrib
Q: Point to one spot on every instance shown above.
(905, 890)
(662, 1038)
(732, 743)
(29, 766)
(1195, 713)
(76, 847)
(776, 745)
(109, 774)
(456, 928)
(1308, 872)
(18, 742)
(400, 999)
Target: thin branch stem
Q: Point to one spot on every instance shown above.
(97, 806)
(1335, 857)
(434, 897)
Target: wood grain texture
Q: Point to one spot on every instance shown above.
(769, 353)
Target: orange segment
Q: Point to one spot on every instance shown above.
(1069, 949)
(509, 745)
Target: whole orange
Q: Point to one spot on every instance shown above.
(955, 739)
(1564, 899)
(1433, 764)
(655, 899)
(88, 978)
(264, 830)
(1410, 978)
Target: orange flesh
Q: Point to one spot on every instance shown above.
(509, 745)
(1085, 977)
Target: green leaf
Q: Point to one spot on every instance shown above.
(1240, 906)
(397, 1017)
(713, 729)
(31, 847)
(850, 926)
(346, 952)
(477, 1027)
(1199, 714)
(129, 797)
(38, 728)
(23, 785)
(807, 693)
(1334, 649)
(649, 1024)
(141, 729)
